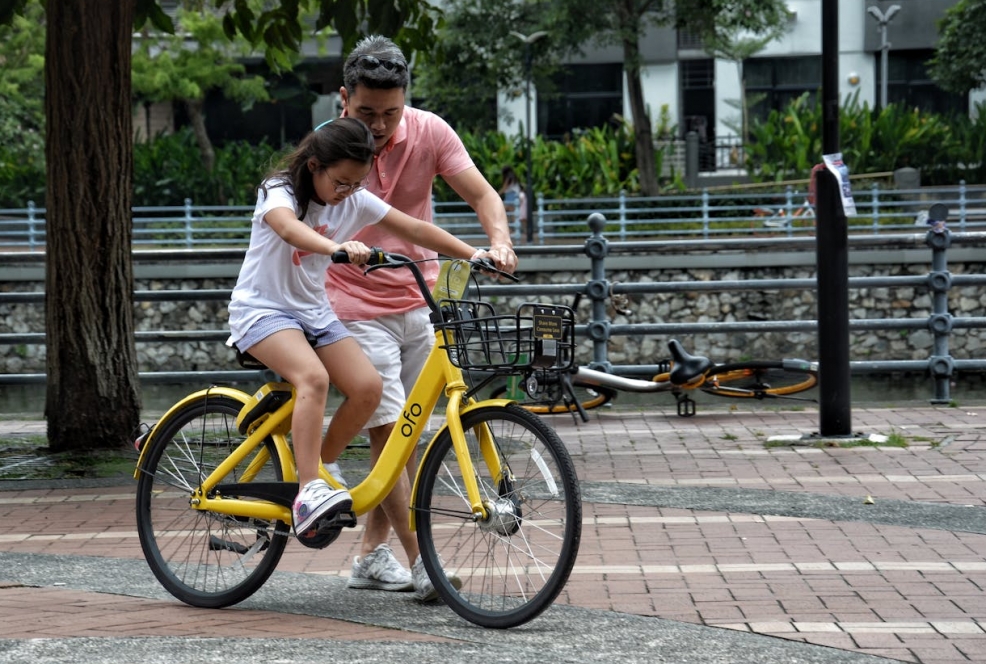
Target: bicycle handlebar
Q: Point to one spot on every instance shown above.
(385, 259)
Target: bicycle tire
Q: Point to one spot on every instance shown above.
(204, 559)
(759, 379)
(553, 401)
(513, 565)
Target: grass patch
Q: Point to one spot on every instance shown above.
(30, 458)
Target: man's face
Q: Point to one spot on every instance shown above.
(380, 110)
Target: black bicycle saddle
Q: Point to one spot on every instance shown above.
(686, 367)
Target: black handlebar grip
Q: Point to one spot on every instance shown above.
(377, 256)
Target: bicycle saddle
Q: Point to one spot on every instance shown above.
(686, 367)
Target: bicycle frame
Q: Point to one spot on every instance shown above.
(438, 376)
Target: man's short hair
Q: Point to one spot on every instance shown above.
(377, 63)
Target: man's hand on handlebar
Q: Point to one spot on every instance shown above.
(500, 257)
(503, 257)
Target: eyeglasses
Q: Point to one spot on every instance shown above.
(371, 62)
(341, 188)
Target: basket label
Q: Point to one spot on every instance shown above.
(547, 323)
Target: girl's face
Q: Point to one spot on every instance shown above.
(336, 182)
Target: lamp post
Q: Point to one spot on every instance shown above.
(528, 185)
(883, 19)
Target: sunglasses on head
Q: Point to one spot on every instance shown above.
(371, 62)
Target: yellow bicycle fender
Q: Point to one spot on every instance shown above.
(239, 395)
(417, 477)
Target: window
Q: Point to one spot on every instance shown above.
(584, 96)
(773, 83)
(908, 83)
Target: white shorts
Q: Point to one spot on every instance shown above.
(398, 346)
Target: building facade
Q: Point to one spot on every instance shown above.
(695, 92)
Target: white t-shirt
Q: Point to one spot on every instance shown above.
(278, 278)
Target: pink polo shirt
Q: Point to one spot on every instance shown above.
(423, 147)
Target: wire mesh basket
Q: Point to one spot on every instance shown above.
(538, 336)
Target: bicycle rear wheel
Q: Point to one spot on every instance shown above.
(553, 398)
(514, 563)
(761, 379)
(203, 558)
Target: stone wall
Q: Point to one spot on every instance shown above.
(704, 307)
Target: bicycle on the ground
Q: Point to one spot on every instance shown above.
(495, 501)
(781, 217)
(581, 389)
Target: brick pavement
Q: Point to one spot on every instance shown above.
(684, 549)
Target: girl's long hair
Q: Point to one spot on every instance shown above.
(339, 140)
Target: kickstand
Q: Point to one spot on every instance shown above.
(571, 400)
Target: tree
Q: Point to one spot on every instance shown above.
(959, 64)
(190, 63)
(736, 47)
(479, 53)
(93, 392)
(478, 33)
(715, 20)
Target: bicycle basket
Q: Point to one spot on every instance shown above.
(538, 336)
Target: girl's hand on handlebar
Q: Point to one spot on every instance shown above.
(357, 252)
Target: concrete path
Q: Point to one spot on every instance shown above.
(704, 541)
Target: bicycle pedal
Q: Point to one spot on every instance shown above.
(326, 530)
(686, 407)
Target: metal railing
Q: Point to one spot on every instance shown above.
(938, 281)
(703, 214)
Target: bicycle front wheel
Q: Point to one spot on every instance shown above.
(203, 558)
(513, 564)
(761, 379)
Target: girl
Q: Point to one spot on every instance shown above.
(279, 311)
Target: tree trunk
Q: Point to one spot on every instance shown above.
(197, 118)
(93, 396)
(643, 134)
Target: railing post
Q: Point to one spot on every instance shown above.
(790, 207)
(875, 193)
(540, 217)
(189, 231)
(962, 203)
(705, 213)
(596, 248)
(940, 363)
(623, 215)
(31, 221)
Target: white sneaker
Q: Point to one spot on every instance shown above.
(336, 472)
(379, 570)
(424, 589)
(315, 500)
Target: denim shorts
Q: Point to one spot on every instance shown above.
(271, 323)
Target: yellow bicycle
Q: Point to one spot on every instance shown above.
(496, 499)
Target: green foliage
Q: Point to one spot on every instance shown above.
(788, 143)
(188, 65)
(169, 169)
(597, 162)
(959, 64)
(22, 122)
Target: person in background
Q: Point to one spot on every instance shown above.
(279, 313)
(385, 312)
(514, 198)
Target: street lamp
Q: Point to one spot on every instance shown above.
(529, 187)
(883, 19)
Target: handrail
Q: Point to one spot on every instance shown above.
(706, 213)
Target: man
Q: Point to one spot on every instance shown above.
(384, 310)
